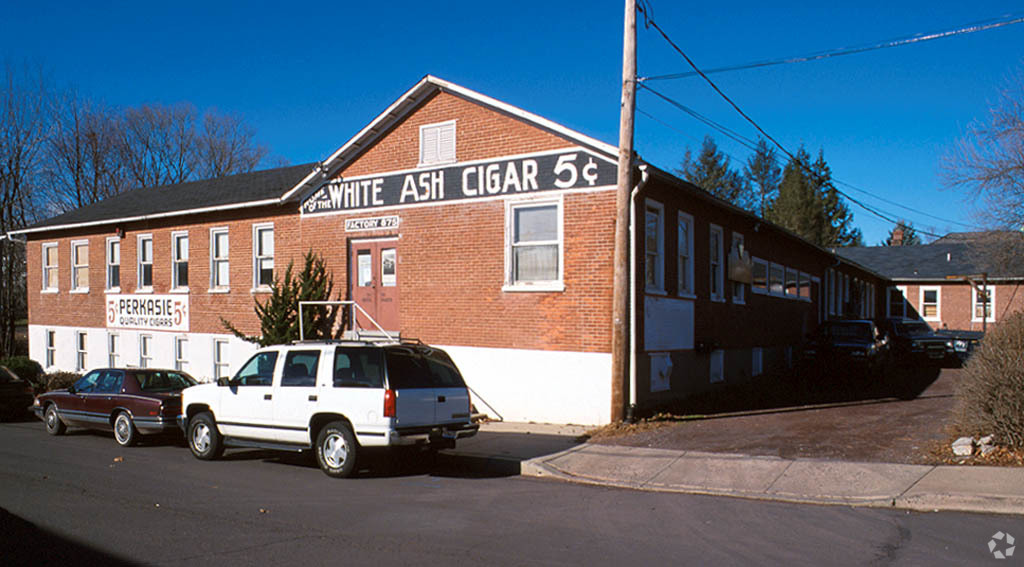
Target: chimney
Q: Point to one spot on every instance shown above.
(897, 237)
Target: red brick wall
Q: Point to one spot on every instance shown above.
(955, 303)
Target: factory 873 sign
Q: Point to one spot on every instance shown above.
(151, 312)
(571, 169)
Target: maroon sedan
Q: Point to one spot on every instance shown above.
(129, 401)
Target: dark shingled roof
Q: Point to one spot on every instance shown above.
(223, 191)
(951, 257)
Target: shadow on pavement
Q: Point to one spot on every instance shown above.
(22, 543)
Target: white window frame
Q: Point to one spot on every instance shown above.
(991, 305)
(938, 302)
(766, 290)
(180, 357)
(716, 273)
(113, 349)
(110, 265)
(537, 285)
(658, 254)
(51, 347)
(256, 257)
(888, 301)
(145, 351)
(739, 293)
(176, 236)
(81, 350)
(139, 250)
(77, 265)
(685, 258)
(218, 363)
(51, 282)
(215, 285)
(434, 134)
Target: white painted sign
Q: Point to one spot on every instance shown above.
(668, 324)
(373, 223)
(150, 312)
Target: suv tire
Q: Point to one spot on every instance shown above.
(204, 440)
(336, 450)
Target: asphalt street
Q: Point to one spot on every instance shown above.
(81, 499)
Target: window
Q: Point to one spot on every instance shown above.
(756, 361)
(179, 260)
(51, 347)
(358, 367)
(685, 250)
(81, 350)
(738, 289)
(113, 263)
(776, 275)
(930, 303)
(760, 281)
(983, 301)
(220, 359)
(257, 371)
(80, 265)
(654, 247)
(300, 368)
(896, 306)
(535, 244)
(805, 286)
(388, 267)
(219, 258)
(145, 262)
(113, 349)
(717, 366)
(263, 256)
(50, 267)
(437, 143)
(792, 283)
(717, 264)
(145, 351)
(109, 382)
(180, 353)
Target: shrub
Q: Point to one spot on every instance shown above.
(990, 396)
(61, 379)
(24, 367)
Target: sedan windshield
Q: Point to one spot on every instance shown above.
(164, 381)
(912, 329)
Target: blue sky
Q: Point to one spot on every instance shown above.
(307, 76)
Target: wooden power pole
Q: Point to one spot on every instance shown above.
(620, 291)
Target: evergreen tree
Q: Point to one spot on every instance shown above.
(838, 229)
(279, 314)
(797, 207)
(910, 236)
(711, 172)
(764, 175)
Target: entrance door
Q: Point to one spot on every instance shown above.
(374, 274)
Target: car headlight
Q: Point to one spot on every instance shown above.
(960, 345)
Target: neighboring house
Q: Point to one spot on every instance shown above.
(946, 283)
(462, 221)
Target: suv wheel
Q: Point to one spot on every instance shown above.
(203, 438)
(336, 450)
(124, 430)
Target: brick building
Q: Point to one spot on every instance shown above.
(462, 221)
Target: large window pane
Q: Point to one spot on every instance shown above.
(536, 223)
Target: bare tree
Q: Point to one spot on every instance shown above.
(157, 144)
(225, 146)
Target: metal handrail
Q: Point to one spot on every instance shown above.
(353, 307)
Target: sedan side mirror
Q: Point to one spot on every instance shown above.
(71, 389)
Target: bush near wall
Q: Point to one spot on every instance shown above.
(24, 367)
(58, 380)
(990, 396)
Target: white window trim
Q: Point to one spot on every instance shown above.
(107, 264)
(938, 302)
(180, 362)
(138, 263)
(767, 276)
(991, 305)
(46, 288)
(75, 265)
(174, 259)
(690, 290)
(217, 363)
(717, 275)
(539, 286)
(888, 301)
(659, 267)
(256, 228)
(51, 347)
(226, 287)
(81, 354)
(439, 126)
(741, 297)
(113, 355)
(144, 356)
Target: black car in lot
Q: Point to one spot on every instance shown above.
(912, 341)
(16, 395)
(845, 343)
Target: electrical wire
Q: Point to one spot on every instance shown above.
(983, 25)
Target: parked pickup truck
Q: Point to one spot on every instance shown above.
(336, 398)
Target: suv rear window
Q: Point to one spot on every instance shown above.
(421, 368)
(356, 367)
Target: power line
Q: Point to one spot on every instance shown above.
(983, 25)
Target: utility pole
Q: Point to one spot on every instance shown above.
(620, 290)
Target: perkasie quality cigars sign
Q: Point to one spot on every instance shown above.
(148, 312)
(563, 170)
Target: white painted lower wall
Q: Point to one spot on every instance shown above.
(538, 385)
(200, 349)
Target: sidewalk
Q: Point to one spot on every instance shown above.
(550, 451)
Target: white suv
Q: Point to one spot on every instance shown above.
(335, 397)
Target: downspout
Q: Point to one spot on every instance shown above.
(631, 405)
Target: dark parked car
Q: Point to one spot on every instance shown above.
(857, 342)
(129, 401)
(964, 342)
(15, 394)
(913, 341)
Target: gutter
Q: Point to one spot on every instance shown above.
(631, 403)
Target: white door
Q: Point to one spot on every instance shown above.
(296, 396)
(246, 405)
